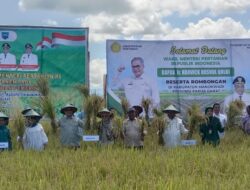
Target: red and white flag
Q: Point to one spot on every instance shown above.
(44, 43)
(67, 40)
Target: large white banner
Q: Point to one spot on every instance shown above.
(178, 72)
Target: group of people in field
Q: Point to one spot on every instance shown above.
(133, 128)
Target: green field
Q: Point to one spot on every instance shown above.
(155, 167)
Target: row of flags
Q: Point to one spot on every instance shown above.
(60, 39)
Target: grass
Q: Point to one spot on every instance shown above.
(95, 167)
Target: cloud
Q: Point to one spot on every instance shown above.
(103, 26)
(50, 22)
(164, 8)
(78, 6)
(191, 7)
(151, 27)
(208, 29)
(204, 29)
(97, 71)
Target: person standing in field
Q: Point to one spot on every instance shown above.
(246, 121)
(209, 129)
(105, 129)
(138, 110)
(220, 116)
(173, 128)
(133, 131)
(5, 132)
(34, 137)
(71, 127)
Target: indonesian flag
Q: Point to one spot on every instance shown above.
(44, 43)
(67, 40)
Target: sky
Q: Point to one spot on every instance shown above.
(132, 20)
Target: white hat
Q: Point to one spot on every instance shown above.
(170, 108)
(104, 110)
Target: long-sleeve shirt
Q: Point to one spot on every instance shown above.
(244, 97)
(172, 132)
(132, 131)
(223, 121)
(5, 136)
(209, 131)
(34, 138)
(106, 133)
(138, 88)
(70, 131)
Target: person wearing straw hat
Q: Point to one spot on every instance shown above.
(138, 110)
(133, 131)
(209, 129)
(5, 132)
(71, 127)
(24, 111)
(34, 137)
(105, 129)
(173, 128)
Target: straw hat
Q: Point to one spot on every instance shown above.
(104, 110)
(170, 108)
(2, 115)
(32, 113)
(26, 109)
(68, 106)
(138, 109)
(131, 110)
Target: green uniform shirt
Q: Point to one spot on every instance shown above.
(5, 136)
(209, 131)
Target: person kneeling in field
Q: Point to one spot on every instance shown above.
(70, 127)
(5, 132)
(246, 121)
(173, 128)
(105, 129)
(133, 131)
(34, 137)
(209, 130)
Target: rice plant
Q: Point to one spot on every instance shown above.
(125, 106)
(195, 117)
(83, 89)
(46, 102)
(158, 122)
(234, 113)
(146, 102)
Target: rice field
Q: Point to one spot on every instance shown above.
(155, 167)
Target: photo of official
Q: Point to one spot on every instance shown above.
(238, 94)
(138, 86)
(7, 60)
(29, 60)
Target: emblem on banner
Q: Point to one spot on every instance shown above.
(5, 35)
(116, 47)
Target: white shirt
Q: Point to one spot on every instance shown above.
(172, 132)
(245, 98)
(8, 59)
(137, 88)
(34, 138)
(29, 59)
(223, 121)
